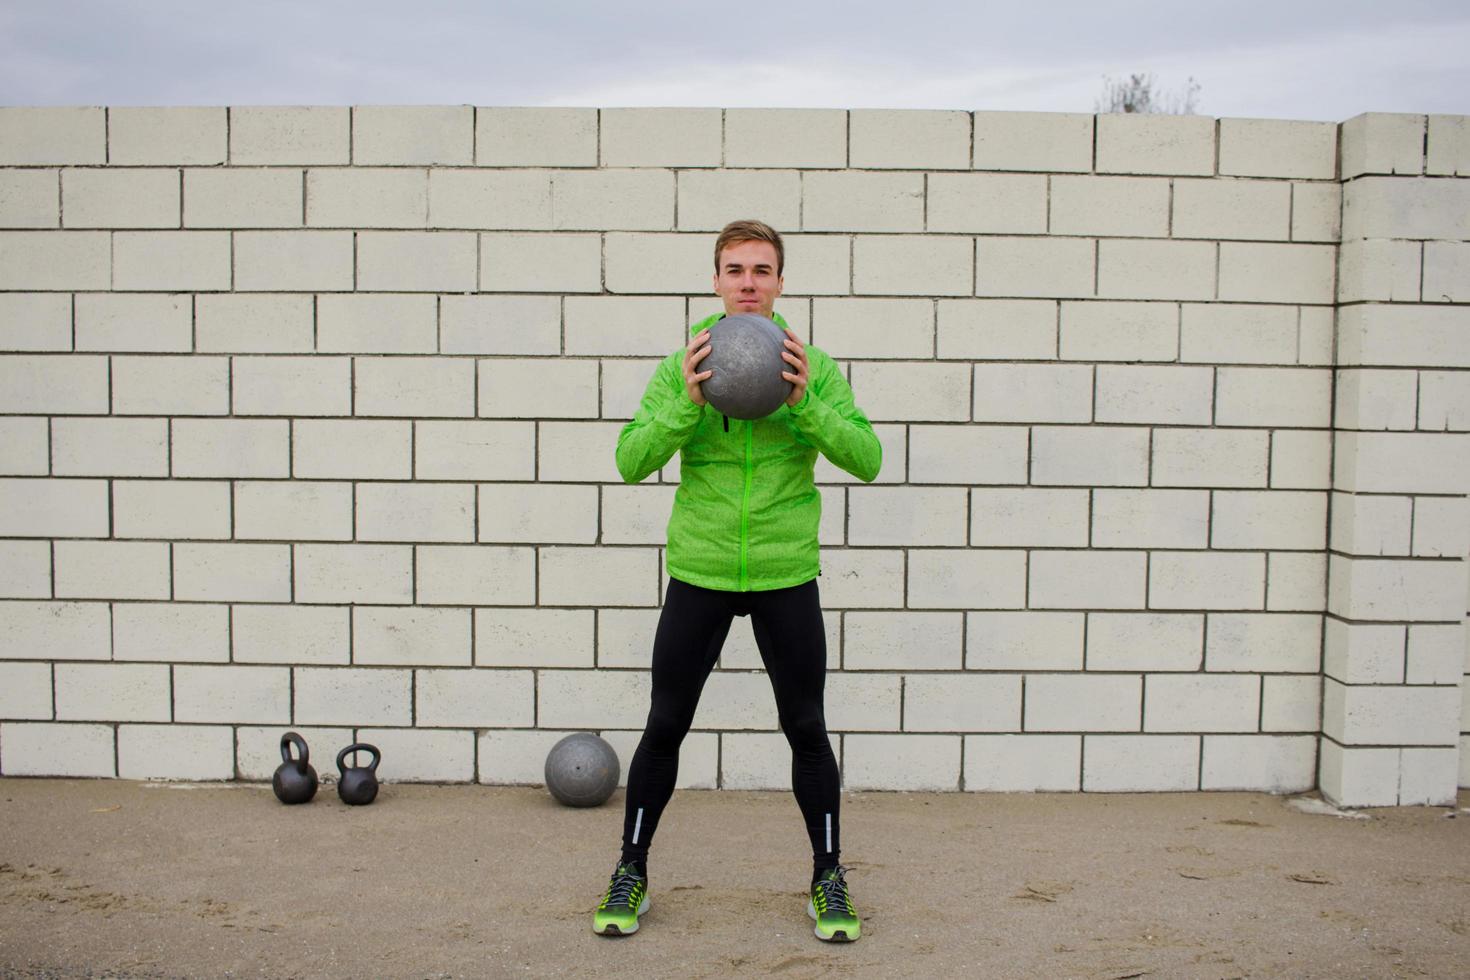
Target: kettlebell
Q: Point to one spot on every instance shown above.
(358, 785)
(295, 780)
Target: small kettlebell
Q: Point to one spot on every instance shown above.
(295, 780)
(358, 785)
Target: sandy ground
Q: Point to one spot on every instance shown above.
(122, 879)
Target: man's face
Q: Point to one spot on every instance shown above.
(747, 279)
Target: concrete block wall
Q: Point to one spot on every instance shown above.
(1394, 711)
(307, 419)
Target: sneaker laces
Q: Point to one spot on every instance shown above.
(620, 890)
(833, 889)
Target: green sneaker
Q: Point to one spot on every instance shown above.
(831, 906)
(626, 899)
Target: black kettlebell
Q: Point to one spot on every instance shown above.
(295, 780)
(358, 785)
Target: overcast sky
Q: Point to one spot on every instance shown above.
(1283, 59)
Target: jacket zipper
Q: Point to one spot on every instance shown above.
(745, 507)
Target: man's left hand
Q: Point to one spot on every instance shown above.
(795, 355)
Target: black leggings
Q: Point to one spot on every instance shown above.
(691, 630)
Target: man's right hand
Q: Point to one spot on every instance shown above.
(697, 351)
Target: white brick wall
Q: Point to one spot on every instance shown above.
(978, 703)
(1024, 640)
(53, 385)
(25, 569)
(351, 449)
(1140, 763)
(315, 635)
(1143, 269)
(911, 762)
(337, 573)
(1144, 641)
(422, 756)
(1029, 516)
(261, 695)
(393, 636)
(1023, 763)
(1033, 393)
(785, 138)
(36, 321)
(1155, 144)
(1276, 764)
(1150, 518)
(1127, 207)
(1234, 209)
(370, 197)
(189, 752)
(857, 201)
(265, 198)
(1291, 704)
(113, 692)
(1083, 703)
(415, 512)
(27, 691)
(465, 575)
(1092, 456)
(753, 760)
(489, 199)
(133, 322)
(29, 199)
(57, 750)
(140, 135)
(294, 511)
(250, 323)
(357, 695)
(112, 570)
(474, 698)
(621, 200)
(535, 137)
(307, 416)
(232, 572)
(987, 203)
(1278, 148)
(1012, 267)
(910, 641)
(120, 198)
(1087, 579)
(536, 637)
(913, 265)
(1201, 703)
(948, 578)
(290, 135)
(1033, 141)
(54, 631)
(171, 631)
(55, 260)
(1120, 331)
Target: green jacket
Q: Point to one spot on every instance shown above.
(746, 512)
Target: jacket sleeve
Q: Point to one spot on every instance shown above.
(829, 419)
(665, 420)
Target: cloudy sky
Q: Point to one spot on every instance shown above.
(1282, 58)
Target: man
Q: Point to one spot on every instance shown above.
(742, 541)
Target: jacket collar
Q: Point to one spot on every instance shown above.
(711, 320)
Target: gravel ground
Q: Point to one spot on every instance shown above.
(121, 879)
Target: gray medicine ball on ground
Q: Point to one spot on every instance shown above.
(745, 356)
(582, 770)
